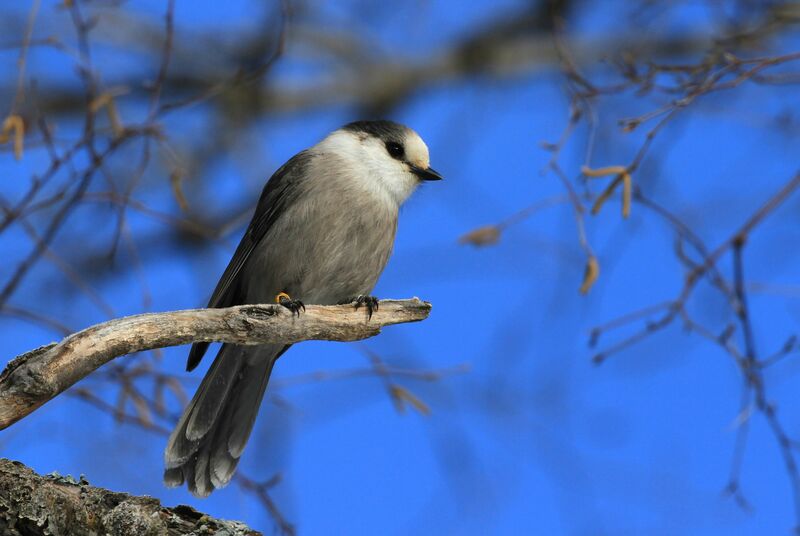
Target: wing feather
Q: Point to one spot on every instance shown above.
(278, 195)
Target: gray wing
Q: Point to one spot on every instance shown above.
(278, 194)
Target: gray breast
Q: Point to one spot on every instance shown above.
(330, 245)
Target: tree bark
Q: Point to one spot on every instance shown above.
(53, 505)
(33, 378)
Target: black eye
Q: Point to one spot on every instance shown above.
(395, 150)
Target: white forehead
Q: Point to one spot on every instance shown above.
(416, 150)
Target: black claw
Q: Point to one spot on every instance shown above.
(293, 305)
(370, 302)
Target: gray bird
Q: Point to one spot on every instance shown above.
(322, 233)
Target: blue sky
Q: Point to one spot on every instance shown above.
(534, 438)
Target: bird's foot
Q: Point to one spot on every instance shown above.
(370, 302)
(293, 305)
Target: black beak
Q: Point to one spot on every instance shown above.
(429, 174)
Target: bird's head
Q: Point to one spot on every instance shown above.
(391, 158)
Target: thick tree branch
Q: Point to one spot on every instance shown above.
(33, 505)
(33, 378)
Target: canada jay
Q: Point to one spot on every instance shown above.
(321, 233)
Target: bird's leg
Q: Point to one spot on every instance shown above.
(293, 305)
(371, 303)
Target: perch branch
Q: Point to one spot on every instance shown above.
(31, 379)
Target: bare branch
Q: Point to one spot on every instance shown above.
(35, 377)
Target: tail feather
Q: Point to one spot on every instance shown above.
(223, 465)
(213, 392)
(202, 482)
(241, 417)
(173, 477)
(179, 447)
(205, 447)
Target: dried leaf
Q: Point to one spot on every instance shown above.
(482, 236)
(606, 194)
(106, 100)
(401, 394)
(604, 171)
(630, 125)
(100, 101)
(627, 189)
(14, 124)
(113, 118)
(590, 274)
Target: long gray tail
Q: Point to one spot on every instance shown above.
(205, 447)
